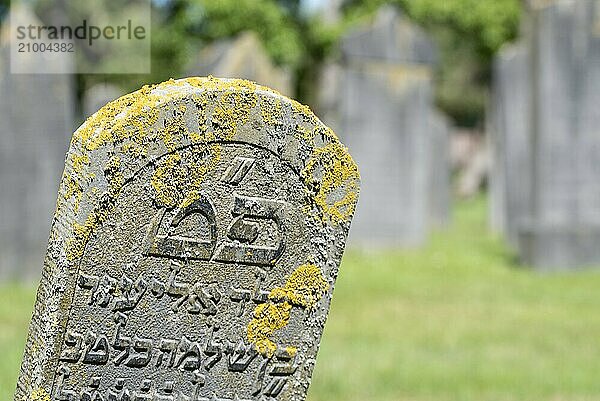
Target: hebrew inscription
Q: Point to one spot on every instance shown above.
(196, 242)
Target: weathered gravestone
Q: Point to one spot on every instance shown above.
(386, 114)
(196, 242)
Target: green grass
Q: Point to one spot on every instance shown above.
(16, 305)
(455, 320)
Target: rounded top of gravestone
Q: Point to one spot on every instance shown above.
(156, 119)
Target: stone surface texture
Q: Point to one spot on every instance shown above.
(195, 245)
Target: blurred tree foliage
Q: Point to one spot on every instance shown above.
(181, 27)
(275, 23)
(4, 4)
(468, 34)
(292, 37)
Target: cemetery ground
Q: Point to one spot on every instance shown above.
(455, 320)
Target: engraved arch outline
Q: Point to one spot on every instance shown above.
(103, 206)
(181, 246)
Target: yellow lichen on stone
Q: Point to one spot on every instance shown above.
(177, 183)
(201, 100)
(268, 317)
(211, 83)
(162, 181)
(132, 149)
(40, 395)
(171, 134)
(305, 134)
(136, 125)
(72, 188)
(131, 115)
(79, 161)
(336, 178)
(291, 351)
(127, 118)
(304, 111)
(113, 174)
(81, 234)
(120, 119)
(73, 191)
(233, 111)
(304, 288)
(271, 111)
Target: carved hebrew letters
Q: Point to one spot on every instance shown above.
(244, 231)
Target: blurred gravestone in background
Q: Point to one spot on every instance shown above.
(385, 113)
(37, 116)
(551, 142)
(97, 96)
(510, 118)
(242, 57)
(439, 171)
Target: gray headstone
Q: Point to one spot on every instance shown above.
(196, 243)
(546, 136)
(564, 226)
(242, 57)
(510, 180)
(37, 115)
(390, 38)
(386, 115)
(439, 181)
(382, 124)
(496, 176)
